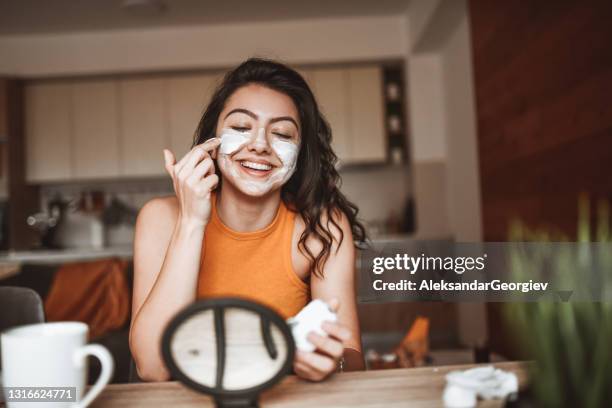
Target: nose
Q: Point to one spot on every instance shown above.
(259, 142)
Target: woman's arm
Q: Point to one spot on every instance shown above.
(337, 287)
(168, 241)
(166, 263)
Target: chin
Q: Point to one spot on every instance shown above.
(247, 187)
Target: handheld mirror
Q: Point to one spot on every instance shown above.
(229, 348)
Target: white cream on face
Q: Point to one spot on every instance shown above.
(287, 152)
(233, 141)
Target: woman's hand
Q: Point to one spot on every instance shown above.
(319, 364)
(193, 178)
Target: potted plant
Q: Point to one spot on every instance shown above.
(570, 342)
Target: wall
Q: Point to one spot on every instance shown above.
(442, 118)
(3, 173)
(428, 145)
(463, 183)
(421, 13)
(543, 91)
(212, 46)
(444, 142)
(23, 198)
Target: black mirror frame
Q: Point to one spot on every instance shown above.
(218, 305)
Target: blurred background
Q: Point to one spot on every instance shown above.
(450, 118)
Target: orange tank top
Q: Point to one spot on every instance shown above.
(254, 265)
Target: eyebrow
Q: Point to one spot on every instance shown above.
(254, 116)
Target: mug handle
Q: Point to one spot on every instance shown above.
(107, 363)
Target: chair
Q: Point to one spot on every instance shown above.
(19, 306)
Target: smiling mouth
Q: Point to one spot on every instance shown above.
(255, 169)
(255, 166)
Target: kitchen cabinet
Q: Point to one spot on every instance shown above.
(84, 129)
(95, 129)
(144, 127)
(331, 90)
(352, 101)
(187, 98)
(48, 129)
(366, 106)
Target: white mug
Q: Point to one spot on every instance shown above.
(51, 355)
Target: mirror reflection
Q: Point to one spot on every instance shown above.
(229, 348)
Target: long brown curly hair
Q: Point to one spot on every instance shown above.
(313, 190)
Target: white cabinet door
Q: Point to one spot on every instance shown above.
(95, 129)
(48, 130)
(330, 87)
(188, 97)
(352, 101)
(144, 129)
(366, 106)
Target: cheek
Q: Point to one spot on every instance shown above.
(286, 152)
(232, 141)
(225, 166)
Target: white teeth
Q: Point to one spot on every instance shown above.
(256, 166)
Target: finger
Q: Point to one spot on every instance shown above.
(333, 304)
(212, 146)
(208, 184)
(169, 161)
(317, 362)
(198, 154)
(184, 159)
(198, 151)
(336, 330)
(203, 150)
(307, 373)
(327, 345)
(203, 168)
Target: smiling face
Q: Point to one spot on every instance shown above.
(260, 139)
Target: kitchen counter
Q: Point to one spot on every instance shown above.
(53, 256)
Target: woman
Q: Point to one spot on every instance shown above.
(257, 213)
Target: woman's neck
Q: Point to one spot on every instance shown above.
(244, 213)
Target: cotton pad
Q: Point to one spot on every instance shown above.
(485, 382)
(459, 397)
(310, 318)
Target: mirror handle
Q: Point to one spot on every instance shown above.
(220, 338)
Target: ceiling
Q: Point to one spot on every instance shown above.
(61, 16)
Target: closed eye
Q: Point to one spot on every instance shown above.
(284, 136)
(241, 129)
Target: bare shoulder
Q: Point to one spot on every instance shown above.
(337, 224)
(160, 208)
(157, 216)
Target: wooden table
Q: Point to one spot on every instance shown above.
(414, 387)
